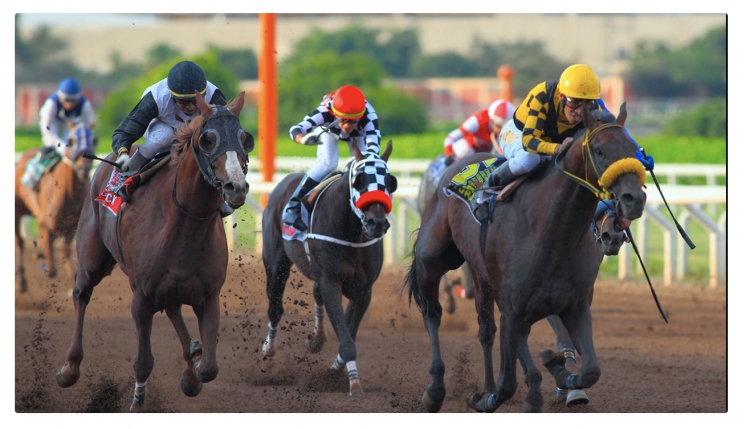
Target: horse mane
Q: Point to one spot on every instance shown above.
(182, 138)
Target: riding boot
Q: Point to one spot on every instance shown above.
(136, 162)
(292, 210)
(500, 177)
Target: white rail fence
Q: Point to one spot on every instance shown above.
(699, 203)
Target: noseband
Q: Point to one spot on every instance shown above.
(610, 174)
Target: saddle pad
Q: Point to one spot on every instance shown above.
(467, 182)
(109, 199)
(291, 233)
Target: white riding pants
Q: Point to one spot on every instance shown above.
(519, 161)
(159, 135)
(328, 155)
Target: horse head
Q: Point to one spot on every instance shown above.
(371, 187)
(81, 140)
(609, 231)
(617, 174)
(221, 148)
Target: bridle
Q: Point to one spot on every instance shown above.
(205, 159)
(610, 175)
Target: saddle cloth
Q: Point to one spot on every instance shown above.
(291, 233)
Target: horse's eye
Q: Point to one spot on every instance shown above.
(598, 152)
(392, 183)
(247, 140)
(208, 142)
(360, 182)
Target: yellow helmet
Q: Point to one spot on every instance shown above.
(579, 81)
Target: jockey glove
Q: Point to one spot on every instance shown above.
(123, 160)
(647, 161)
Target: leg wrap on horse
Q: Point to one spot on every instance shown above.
(338, 363)
(269, 345)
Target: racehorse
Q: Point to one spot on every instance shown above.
(169, 241)
(538, 260)
(57, 203)
(342, 252)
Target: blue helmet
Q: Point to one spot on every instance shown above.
(69, 90)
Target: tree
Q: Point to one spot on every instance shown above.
(157, 54)
(242, 62)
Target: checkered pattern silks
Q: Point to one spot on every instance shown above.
(376, 171)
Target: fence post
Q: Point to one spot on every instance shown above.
(713, 242)
(682, 248)
(669, 242)
(723, 245)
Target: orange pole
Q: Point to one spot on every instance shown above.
(505, 74)
(267, 109)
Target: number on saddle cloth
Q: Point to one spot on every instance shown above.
(469, 180)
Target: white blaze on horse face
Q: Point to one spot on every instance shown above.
(233, 167)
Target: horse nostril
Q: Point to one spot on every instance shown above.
(228, 187)
(627, 198)
(606, 238)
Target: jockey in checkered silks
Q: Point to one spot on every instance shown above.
(345, 115)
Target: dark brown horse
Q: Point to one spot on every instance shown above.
(170, 242)
(539, 260)
(57, 202)
(342, 254)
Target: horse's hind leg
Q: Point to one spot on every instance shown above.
(94, 262)
(205, 366)
(565, 345)
(277, 265)
(485, 306)
(315, 341)
(188, 382)
(47, 239)
(578, 323)
(66, 251)
(20, 270)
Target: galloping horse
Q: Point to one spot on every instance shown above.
(58, 201)
(342, 253)
(539, 260)
(169, 241)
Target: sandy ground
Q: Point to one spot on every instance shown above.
(648, 366)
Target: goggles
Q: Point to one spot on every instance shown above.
(184, 102)
(573, 103)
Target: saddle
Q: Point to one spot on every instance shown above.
(309, 199)
(145, 173)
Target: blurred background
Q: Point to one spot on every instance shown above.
(425, 74)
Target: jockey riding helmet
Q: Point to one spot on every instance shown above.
(348, 103)
(69, 90)
(185, 78)
(501, 111)
(579, 81)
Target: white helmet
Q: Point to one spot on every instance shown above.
(501, 111)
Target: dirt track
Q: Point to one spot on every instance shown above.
(647, 365)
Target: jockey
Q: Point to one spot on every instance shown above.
(355, 122)
(61, 111)
(544, 125)
(477, 133)
(164, 107)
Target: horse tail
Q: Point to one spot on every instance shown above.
(410, 280)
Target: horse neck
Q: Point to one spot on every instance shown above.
(194, 194)
(572, 205)
(339, 217)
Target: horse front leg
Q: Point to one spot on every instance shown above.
(578, 323)
(565, 346)
(189, 383)
(20, 270)
(533, 377)
(318, 338)
(330, 290)
(485, 306)
(205, 366)
(142, 311)
(510, 334)
(355, 311)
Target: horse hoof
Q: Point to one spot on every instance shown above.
(472, 400)
(355, 388)
(531, 408)
(577, 397)
(269, 351)
(429, 404)
(313, 345)
(66, 380)
(191, 390)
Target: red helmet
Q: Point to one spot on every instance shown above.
(348, 102)
(501, 111)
